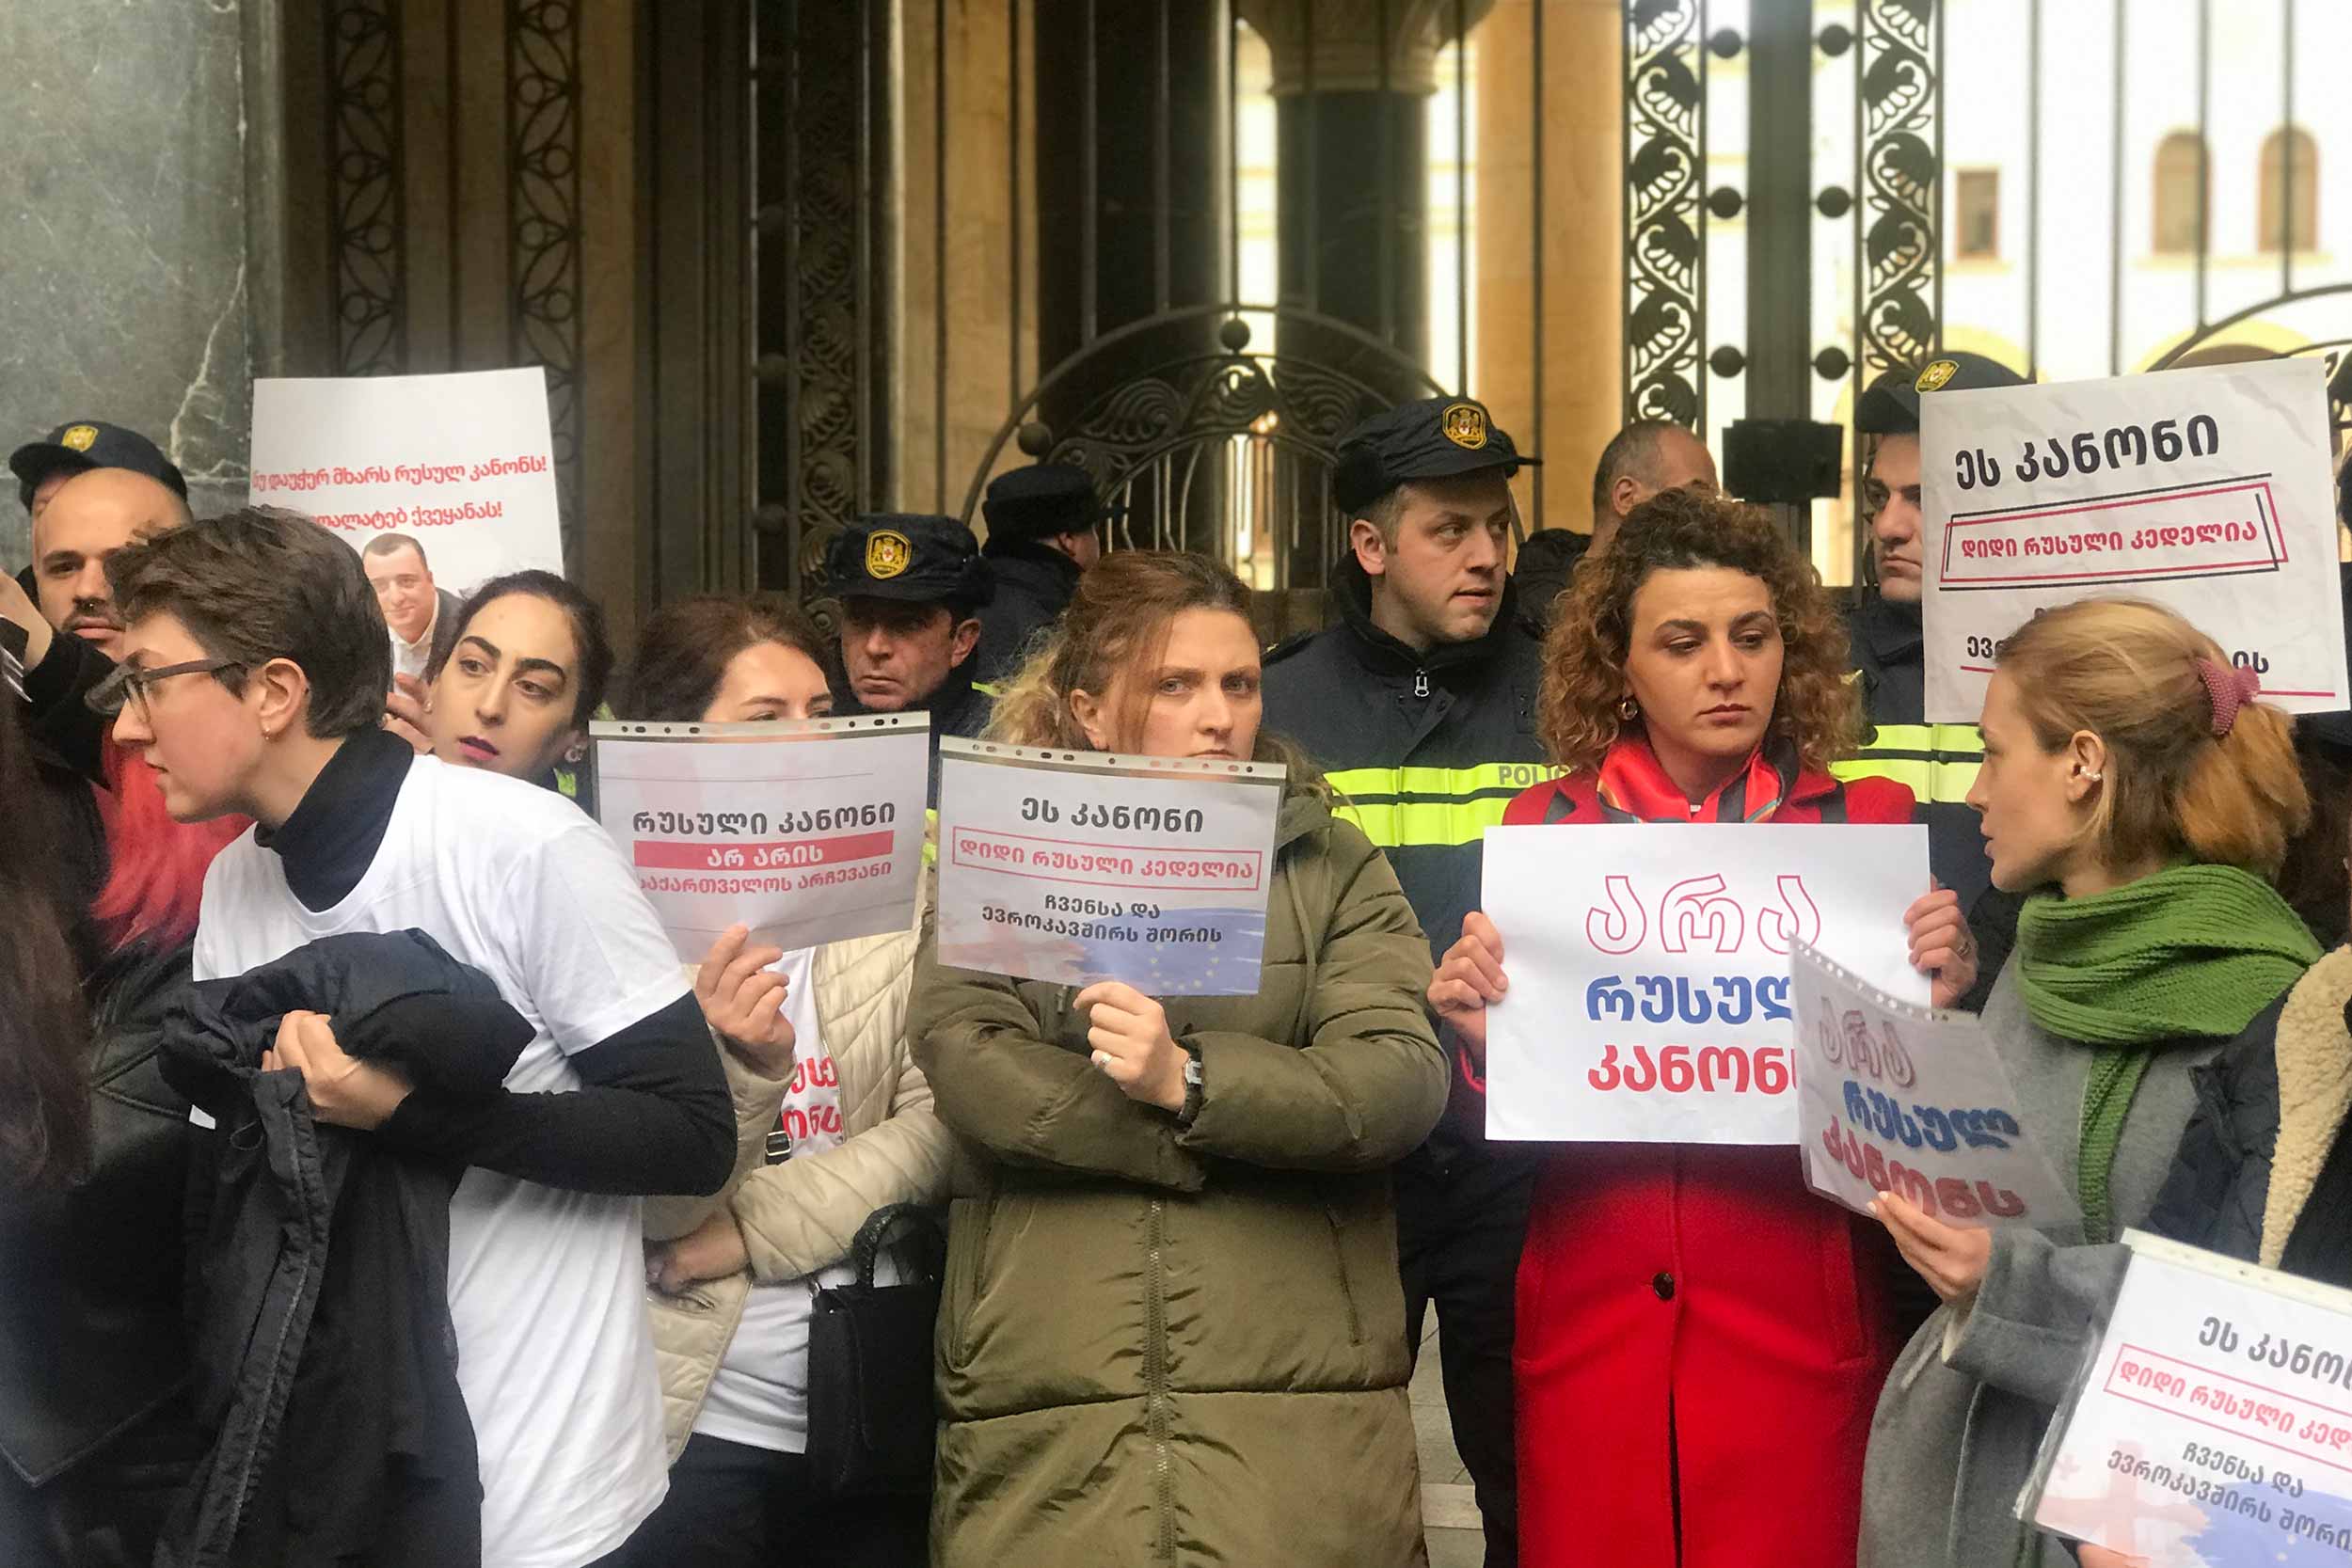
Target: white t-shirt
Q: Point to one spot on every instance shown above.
(410, 659)
(547, 1288)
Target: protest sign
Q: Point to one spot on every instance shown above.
(2207, 490)
(1893, 1098)
(1078, 866)
(461, 464)
(808, 832)
(1650, 997)
(2212, 1426)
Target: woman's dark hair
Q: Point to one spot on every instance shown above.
(1585, 652)
(262, 584)
(587, 618)
(684, 651)
(44, 1028)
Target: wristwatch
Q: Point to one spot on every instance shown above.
(1192, 1086)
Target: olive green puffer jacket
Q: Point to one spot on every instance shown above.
(1164, 1345)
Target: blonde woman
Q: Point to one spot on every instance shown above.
(1172, 1330)
(2143, 797)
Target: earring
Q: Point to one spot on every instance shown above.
(1629, 710)
(2082, 772)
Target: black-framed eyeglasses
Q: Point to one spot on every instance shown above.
(130, 685)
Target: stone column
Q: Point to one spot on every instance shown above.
(1351, 78)
(122, 217)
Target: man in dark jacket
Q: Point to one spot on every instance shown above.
(1421, 703)
(912, 589)
(1938, 763)
(1041, 538)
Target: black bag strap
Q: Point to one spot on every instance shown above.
(875, 1233)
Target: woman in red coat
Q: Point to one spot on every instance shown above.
(1700, 1338)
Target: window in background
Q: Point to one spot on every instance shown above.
(2290, 169)
(2181, 184)
(1977, 234)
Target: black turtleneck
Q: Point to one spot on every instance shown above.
(654, 1114)
(331, 839)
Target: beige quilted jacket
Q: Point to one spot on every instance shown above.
(802, 1215)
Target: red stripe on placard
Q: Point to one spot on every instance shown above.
(707, 855)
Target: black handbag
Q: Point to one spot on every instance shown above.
(872, 1424)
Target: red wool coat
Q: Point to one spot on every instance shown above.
(1700, 1339)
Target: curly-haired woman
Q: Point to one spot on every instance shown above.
(1700, 1339)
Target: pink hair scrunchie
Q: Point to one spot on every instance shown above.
(2230, 690)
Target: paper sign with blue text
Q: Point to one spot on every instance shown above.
(2212, 1428)
(1650, 998)
(1895, 1097)
(809, 832)
(1079, 867)
(2211, 491)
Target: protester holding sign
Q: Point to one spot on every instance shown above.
(515, 690)
(2136, 789)
(1668, 1292)
(1172, 1309)
(838, 1127)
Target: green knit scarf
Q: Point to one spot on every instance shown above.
(2191, 952)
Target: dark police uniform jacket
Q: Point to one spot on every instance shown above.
(1425, 751)
(1034, 584)
(1937, 763)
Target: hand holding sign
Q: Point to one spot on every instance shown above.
(1950, 1258)
(1131, 1044)
(742, 1000)
(1469, 981)
(1941, 946)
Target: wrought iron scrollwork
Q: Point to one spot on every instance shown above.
(825, 303)
(1665, 222)
(363, 88)
(543, 130)
(1899, 178)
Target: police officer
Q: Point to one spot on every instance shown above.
(1041, 536)
(1937, 761)
(1420, 705)
(911, 588)
(78, 446)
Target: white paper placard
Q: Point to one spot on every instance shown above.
(2213, 1427)
(808, 832)
(463, 464)
(1895, 1097)
(2208, 490)
(1078, 866)
(1649, 970)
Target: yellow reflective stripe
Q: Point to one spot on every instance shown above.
(1455, 781)
(930, 836)
(988, 689)
(1910, 772)
(1900, 737)
(1425, 823)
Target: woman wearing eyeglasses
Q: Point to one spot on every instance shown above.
(256, 662)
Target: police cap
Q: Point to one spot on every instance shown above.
(1427, 438)
(1890, 404)
(80, 444)
(1039, 502)
(922, 560)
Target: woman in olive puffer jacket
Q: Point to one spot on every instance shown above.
(1172, 1330)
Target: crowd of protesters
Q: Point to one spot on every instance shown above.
(376, 1187)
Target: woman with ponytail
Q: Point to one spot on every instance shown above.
(2143, 797)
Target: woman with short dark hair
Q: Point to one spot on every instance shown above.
(256, 662)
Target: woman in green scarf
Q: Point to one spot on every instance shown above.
(2135, 789)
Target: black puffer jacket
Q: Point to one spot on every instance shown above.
(1034, 584)
(325, 1354)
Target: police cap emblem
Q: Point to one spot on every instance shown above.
(887, 554)
(80, 438)
(1937, 372)
(1465, 425)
